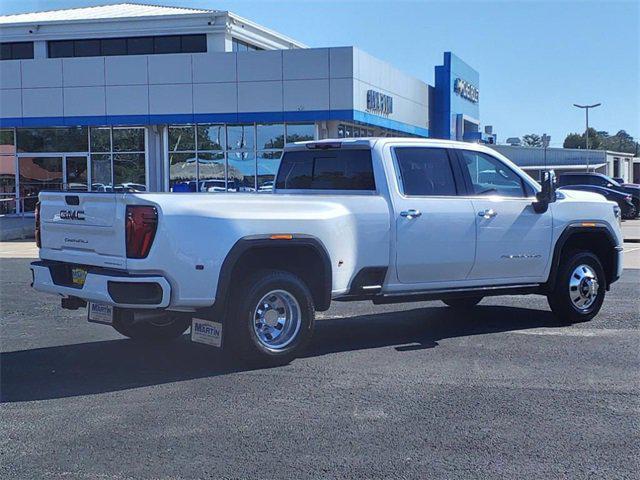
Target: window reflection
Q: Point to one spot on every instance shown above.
(182, 138)
(182, 172)
(36, 174)
(128, 139)
(270, 136)
(268, 163)
(241, 172)
(240, 137)
(232, 158)
(211, 137)
(211, 172)
(129, 172)
(300, 132)
(101, 173)
(44, 140)
(101, 139)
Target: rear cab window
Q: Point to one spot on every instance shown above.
(425, 171)
(345, 169)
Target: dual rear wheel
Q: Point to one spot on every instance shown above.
(272, 311)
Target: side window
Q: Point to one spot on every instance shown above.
(425, 171)
(337, 169)
(489, 176)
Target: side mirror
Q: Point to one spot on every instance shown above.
(548, 193)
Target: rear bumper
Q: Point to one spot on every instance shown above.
(108, 287)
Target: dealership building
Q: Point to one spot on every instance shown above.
(156, 98)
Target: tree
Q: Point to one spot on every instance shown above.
(532, 140)
(577, 140)
(574, 140)
(620, 142)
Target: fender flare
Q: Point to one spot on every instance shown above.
(246, 244)
(567, 233)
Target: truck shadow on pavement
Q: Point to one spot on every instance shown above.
(113, 365)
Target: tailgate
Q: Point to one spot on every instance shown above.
(83, 228)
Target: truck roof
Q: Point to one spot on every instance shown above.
(369, 142)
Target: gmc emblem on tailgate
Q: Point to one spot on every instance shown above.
(72, 214)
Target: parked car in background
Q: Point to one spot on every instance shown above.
(624, 200)
(601, 180)
(625, 184)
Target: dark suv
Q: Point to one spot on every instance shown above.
(601, 180)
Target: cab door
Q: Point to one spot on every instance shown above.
(435, 228)
(513, 241)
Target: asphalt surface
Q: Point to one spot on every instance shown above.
(402, 391)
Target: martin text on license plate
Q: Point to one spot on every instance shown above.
(205, 331)
(100, 313)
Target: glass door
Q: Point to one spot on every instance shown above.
(37, 173)
(75, 172)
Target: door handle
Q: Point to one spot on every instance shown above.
(412, 213)
(487, 213)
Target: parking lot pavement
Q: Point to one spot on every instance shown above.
(631, 231)
(400, 391)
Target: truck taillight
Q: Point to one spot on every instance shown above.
(141, 224)
(37, 232)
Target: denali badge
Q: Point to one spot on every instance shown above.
(74, 240)
(72, 214)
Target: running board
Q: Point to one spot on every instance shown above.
(403, 297)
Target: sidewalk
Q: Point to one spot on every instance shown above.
(18, 249)
(631, 231)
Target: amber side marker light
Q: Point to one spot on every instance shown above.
(281, 236)
(588, 224)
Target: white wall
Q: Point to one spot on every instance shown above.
(300, 80)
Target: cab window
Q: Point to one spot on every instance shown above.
(425, 171)
(334, 169)
(489, 176)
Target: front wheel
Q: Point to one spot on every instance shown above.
(579, 288)
(463, 302)
(162, 328)
(273, 318)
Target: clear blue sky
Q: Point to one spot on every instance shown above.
(535, 58)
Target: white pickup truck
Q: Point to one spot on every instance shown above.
(387, 220)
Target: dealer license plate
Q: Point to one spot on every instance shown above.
(100, 313)
(78, 276)
(205, 331)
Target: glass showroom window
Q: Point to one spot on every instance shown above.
(233, 158)
(196, 158)
(42, 154)
(7, 172)
(211, 141)
(118, 159)
(48, 140)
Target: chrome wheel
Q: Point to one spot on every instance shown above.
(277, 319)
(583, 287)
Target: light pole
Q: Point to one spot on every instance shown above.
(586, 108)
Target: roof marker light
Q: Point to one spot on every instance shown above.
(323, 145)
(281, 236)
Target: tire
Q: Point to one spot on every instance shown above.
(277, 334)
(574, 297)
(463, 302)
(168, 327)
